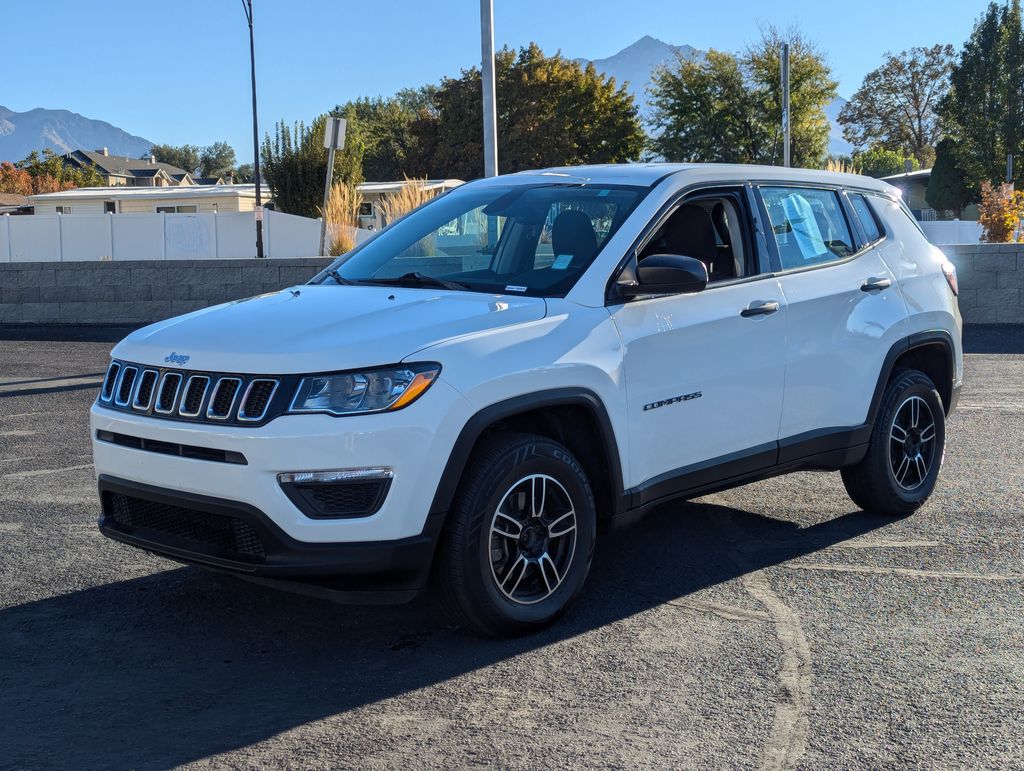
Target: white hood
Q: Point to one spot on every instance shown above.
(322, 328)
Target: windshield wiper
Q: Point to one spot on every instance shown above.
(416, 279)
(340, 278)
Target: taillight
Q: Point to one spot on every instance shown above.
(949, 271)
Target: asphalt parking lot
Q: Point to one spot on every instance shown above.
(769, 626)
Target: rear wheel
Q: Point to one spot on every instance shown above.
(520, 537)
(906, 449)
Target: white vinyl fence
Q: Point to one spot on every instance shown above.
(942, 232)
(81, 237)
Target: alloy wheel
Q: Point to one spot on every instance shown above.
(532, 539)
(912, 443)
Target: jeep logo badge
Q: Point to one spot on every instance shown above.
(176, 358)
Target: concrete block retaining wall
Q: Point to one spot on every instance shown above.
(137, 292)
(991, 278)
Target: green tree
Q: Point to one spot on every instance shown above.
(811, 90)
(295, 165)
(984, 109)
(384, 127)
(896, 106)
(183, 156)
(244, 173)
(704, 111)
(50, 173)
(551, 111)
(727, 108)
(217, 160)
(877, 161)
(947, 187)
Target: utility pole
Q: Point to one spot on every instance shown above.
(785, 105)
(487, 82)
(247, 7)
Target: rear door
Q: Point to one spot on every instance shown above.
(844, 312)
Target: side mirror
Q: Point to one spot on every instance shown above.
(667, 274)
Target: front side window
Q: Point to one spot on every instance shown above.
(809, 225)
(532, 239)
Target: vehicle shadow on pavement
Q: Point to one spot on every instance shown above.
(182, 665)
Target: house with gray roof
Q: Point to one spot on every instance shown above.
(119, 171)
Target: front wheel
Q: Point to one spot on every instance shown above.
(520, 538)
(906, 449)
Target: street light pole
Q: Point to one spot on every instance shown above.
(247, 7)
(487, 83)
(785, 105)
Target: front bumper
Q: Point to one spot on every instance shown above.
(414, 443)
(239, 538)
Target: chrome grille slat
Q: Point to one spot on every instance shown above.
(191, 396)
(253, 394)
(146, 389)
(164, 405)
(107, 392)
(125, 386)
(211, 410)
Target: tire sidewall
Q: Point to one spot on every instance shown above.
(535, 457)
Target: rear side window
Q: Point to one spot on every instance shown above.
(809, 225)
(867, 217)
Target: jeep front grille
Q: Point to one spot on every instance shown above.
(175, 394)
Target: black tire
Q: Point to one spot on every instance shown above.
(473, 557)
(890, 480)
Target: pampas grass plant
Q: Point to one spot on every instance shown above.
(413, 193)
(342, 217)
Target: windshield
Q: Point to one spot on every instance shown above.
(534, 239)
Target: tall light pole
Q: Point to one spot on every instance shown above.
(247, 7)
(785, 105)
(487, 82)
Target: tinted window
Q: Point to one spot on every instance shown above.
(809, 225)
(866, 216)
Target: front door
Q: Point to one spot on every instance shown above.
(704, 372)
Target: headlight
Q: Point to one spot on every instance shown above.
(376, 390)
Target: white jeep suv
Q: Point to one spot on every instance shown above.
(467, 395)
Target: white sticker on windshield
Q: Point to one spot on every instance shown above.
(561, 262)
(515, 289)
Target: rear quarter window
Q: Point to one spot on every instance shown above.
(867, 217)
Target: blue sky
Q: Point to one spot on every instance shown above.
(178, 72)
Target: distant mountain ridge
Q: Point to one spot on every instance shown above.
(62, 131)
(635, 63)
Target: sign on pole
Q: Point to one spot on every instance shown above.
(334, 134)
(334, 139)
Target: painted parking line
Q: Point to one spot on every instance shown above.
(43, 472)
(49, 388)
(909, 572)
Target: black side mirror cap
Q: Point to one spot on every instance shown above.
(664, 274)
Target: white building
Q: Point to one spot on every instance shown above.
(189, 199)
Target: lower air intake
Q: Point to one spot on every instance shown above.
(228, 536)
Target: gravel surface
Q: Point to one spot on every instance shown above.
(772, 625)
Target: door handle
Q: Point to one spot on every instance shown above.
(875, 284)
(759, 308)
